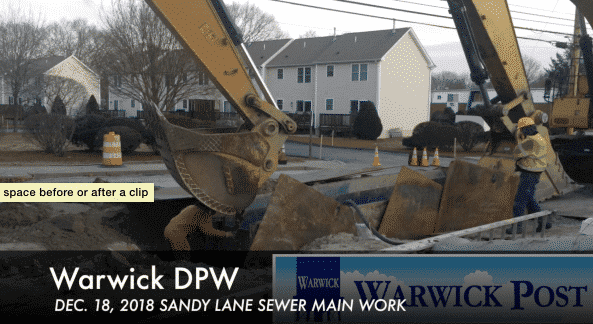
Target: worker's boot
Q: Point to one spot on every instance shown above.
(540, 223)
(519, 229)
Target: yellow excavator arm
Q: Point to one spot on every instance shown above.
(223, 171)
(488, 38)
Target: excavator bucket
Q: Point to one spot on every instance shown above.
(298, 214)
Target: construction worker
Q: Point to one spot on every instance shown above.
(530, 160)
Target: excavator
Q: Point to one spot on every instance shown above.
(224, 171)
(487, 35)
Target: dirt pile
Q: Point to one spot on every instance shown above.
(59, 226)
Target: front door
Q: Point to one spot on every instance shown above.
(353, 106)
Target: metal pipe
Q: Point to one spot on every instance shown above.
(353, 205)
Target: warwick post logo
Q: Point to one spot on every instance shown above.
(318, 282)
(306, 282)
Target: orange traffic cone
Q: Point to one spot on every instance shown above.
(424, 161)
(376, 160)
(435, 159)
(414, 160)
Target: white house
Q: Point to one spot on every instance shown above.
(70, 68)
(333, 74)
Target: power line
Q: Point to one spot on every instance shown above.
(438, 16)
(433, 6)
(391, 19)
(564, 13)
(532, 14)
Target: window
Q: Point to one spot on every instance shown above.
(330, 71)
(438, 97)
(202, 78)
(450, 97)
(280, 74)
(133, 103)
(353, 106)
(226, 107)
(184, 104)
(363, 72)
(280, 102)
(300, 75)
(115, 105)
(300, 105)
(362, 68)
(117, 81)
(307, 106)
(329, 104)
(10, 100)
(307, 75)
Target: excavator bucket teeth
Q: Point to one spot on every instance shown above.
(474, 195)
(222, 171)
(297, 215)
(413, 207)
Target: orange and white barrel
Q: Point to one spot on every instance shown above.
(111, 149)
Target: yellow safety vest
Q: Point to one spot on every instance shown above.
(531, 152)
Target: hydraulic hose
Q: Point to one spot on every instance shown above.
(353, 205)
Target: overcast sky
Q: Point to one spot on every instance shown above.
(442, 44)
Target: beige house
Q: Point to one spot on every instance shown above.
(333, 74)
(56, 75)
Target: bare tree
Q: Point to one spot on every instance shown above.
(21, 43)
(76, 38)
(254, 23)
(533, 69)
(72, 93)
(144, 60)
(448, 80)
(309, 34)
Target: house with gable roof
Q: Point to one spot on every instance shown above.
(59, 66)
(333, 74)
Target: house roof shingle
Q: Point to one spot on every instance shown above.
(363, 46)
(302, 51)
(263, 50)
(351, 47)
(43, 64)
